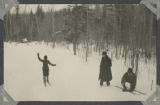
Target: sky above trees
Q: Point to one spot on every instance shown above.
(33, 7)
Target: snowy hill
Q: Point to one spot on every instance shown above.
(72, 79)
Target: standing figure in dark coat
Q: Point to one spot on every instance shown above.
(129, 77)
(45, 68)
(105, 74)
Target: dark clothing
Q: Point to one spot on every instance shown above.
(45, 64)
(107, 82)
(105, 69)
(45, 67)
(130, 79)
(45, 72)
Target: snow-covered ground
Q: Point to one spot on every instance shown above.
(72, 79)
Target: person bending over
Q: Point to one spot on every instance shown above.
(129, 77)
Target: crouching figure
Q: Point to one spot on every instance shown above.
(129, 77)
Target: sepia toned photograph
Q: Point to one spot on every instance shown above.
(80, 52)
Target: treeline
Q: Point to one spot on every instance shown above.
(32, 26)
(128, 31)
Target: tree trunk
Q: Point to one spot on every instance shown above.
(74, 47)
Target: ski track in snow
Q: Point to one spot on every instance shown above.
(71, 80)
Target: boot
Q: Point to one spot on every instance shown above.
(101, 83)
(108, 83)
(124, 90)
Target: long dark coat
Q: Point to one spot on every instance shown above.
(105, 69)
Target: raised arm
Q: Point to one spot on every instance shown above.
(51, 63)
(39, 57)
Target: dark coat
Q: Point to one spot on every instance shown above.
(45, 67)
(129, 78)
(105, 69)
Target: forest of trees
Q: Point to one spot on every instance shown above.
(128, 31)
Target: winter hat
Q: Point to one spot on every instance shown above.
(45, 57)
(104, 53)
(130, 70)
